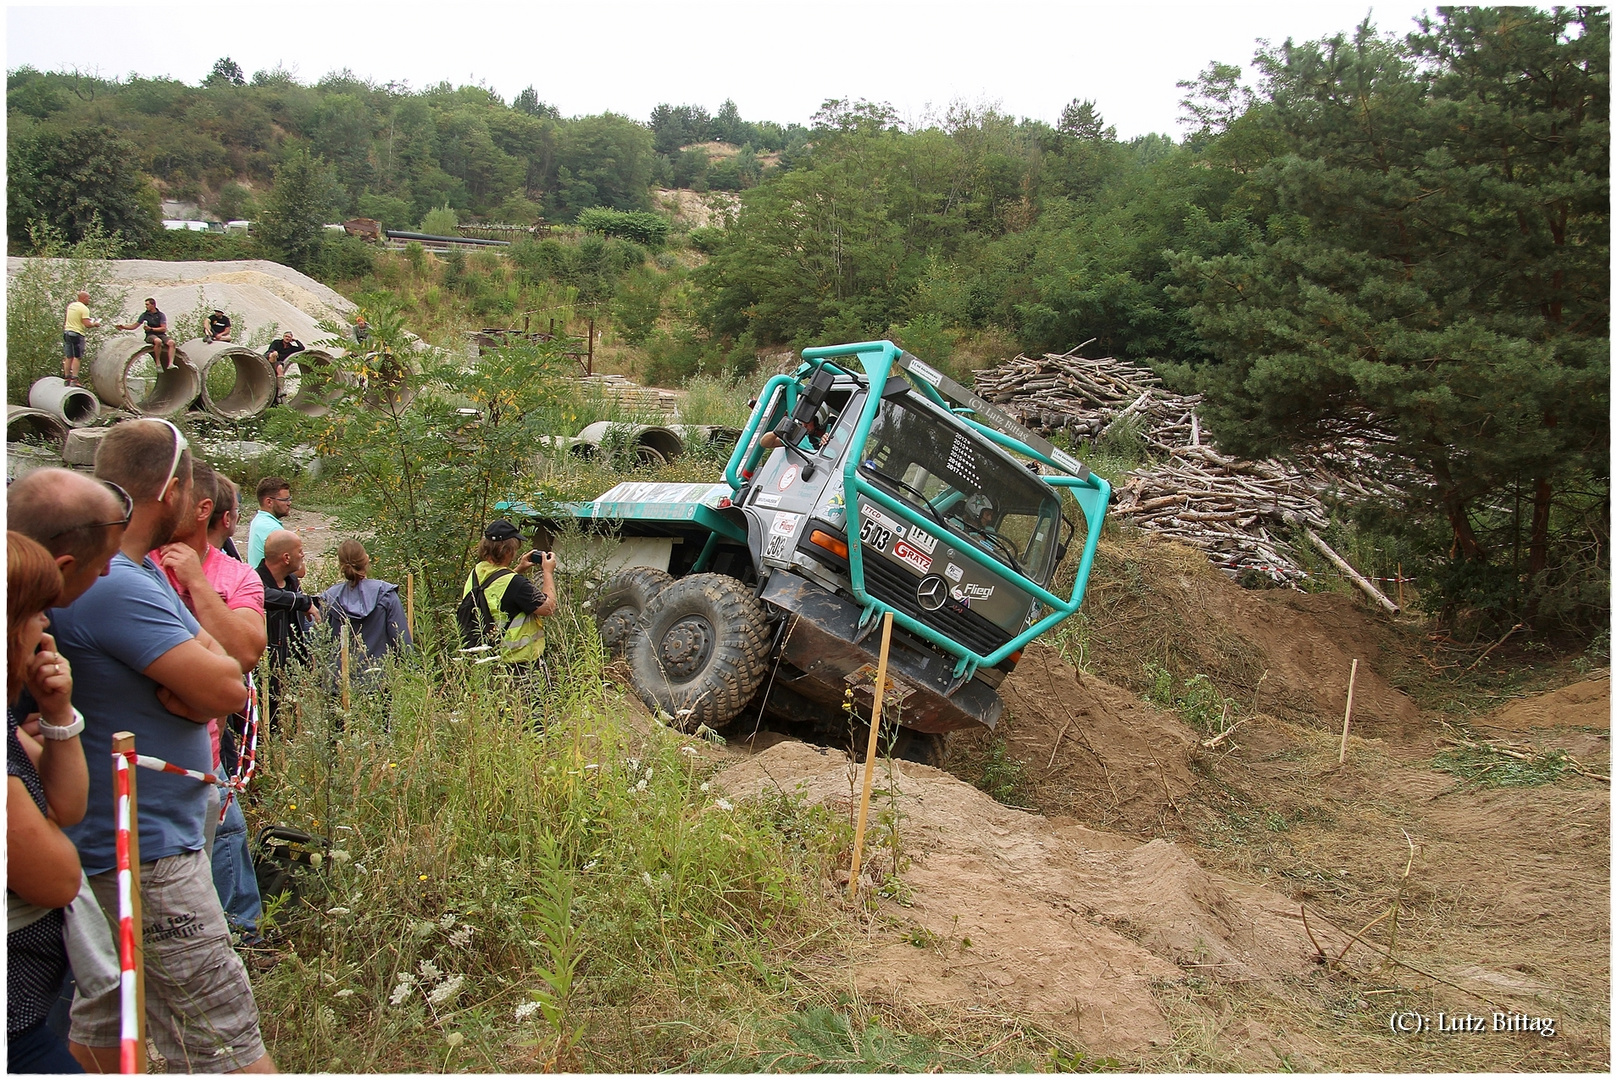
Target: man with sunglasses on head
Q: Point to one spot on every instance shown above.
(144, 664)
(274, 504)
(78, 520)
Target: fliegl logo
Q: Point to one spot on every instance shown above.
(968, 592)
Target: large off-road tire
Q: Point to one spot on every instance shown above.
(700, 650)
(621, 600)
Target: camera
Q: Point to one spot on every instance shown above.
(536, 556)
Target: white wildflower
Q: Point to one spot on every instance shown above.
(454, 1039)
(648, 772)
(461, 937)
(689, 749)
(429, 970)
(526, 1009)
(339, 856)
(641, 786)
(401, 992)
(446, 921)
(704, 787)
(347, 993)
(447, 989)
(591, 865)
(724, 804)
(336, 911)
(645, 876)
(667, 880)
(315, 858)
(634, 764)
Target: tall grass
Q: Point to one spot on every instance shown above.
(539, 878)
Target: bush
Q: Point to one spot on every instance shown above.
(183, 245)
(440, 221)
(344, 258)
(641, 226)
(38, 295)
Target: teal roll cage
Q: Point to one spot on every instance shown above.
(878, 359)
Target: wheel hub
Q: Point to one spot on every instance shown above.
(686, 647)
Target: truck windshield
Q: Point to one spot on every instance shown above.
(986, 498)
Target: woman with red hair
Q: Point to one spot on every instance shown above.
(46, 788)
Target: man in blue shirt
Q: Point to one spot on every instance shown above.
(143, 664)
(274, 503)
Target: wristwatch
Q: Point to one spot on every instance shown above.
(58, 732)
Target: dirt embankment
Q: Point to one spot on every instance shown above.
(1150, 905)
(1021, 915)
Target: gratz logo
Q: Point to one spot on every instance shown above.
(931, 592)
(787, 478)
(903, 551)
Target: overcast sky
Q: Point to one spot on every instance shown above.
(779, 61)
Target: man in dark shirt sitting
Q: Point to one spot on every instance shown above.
(281, 350)
(157, 335)
(217, 327)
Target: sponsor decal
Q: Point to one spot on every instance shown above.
(953, 572)
(787, 478)
(971, 591)
(1067, 461)
(768, 498)
(875, 534)
(903, 551)
(921, 371)
(869, 511)
(923, 540)
(785, 524)
(834, 509)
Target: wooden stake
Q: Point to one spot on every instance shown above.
(123, 742)
(409, 602)
(870, 753)
(1400, 585)
(345, 637)
(1347, 717)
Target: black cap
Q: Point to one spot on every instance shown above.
(500, 529)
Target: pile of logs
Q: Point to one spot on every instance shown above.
(1239, 512)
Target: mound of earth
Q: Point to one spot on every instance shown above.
(1290, 654)
(1089, 749)
(1002, 910)
(256, 293)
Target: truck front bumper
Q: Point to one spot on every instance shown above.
(822, 657)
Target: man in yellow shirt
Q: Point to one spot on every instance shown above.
(73, 327)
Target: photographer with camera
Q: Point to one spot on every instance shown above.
(500, 607)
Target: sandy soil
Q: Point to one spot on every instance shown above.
(1149, 905)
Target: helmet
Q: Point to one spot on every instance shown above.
(976, 503)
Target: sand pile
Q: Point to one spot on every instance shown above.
(1009, 912)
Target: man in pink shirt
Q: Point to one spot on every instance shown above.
(227, 598)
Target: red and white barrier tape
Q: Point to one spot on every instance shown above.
(128, 1025)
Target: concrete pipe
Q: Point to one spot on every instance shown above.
(652, 445)
(35, 426)
(237, 382)
(125, 375)
(388, 386)
(74, 404)
(311, 385)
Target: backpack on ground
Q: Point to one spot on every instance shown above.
(473, 617)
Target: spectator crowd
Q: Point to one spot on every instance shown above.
(130, 609)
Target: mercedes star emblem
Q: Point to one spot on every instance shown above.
(932, 591)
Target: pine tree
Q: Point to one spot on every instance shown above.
(1428, 268)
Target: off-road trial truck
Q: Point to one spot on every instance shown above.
(885, 486)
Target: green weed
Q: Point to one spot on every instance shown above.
(1489, 767)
